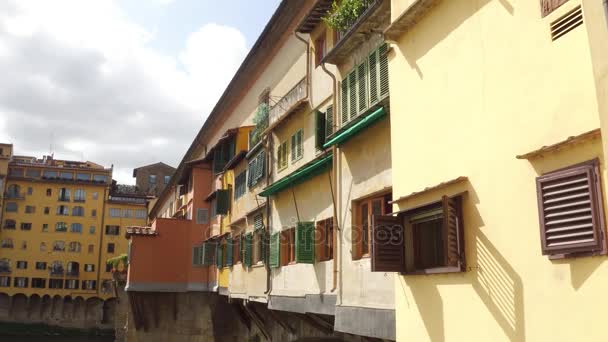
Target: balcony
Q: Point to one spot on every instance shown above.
(73, 273)
(373, 19)
(56, 272)
(5, 269)
(64, 199)
(14, 195)
(289, 103)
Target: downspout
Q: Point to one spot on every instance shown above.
(606, 10)
(334, 185)
(307, 61)
(268, 147)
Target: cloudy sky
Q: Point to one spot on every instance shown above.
(123, 82)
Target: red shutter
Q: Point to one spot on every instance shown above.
(388, 245)
(453, 232)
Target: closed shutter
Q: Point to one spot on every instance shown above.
(218, 256)
(352, 94)
(320, 130)
(329, 121)
(196, 256)
(374, 90)
(251, 173)
(293, 147)
(383, 68)
(388, 251)
(344, 97)
(300, 142)
(260, 166)
(274, 255)
(218, 165)
(362, 87)
(202, 216)
(229, 248)
(222, 202)
(571, 210)
(248, 250)
(209, 251)
(305, 243)
(452, 232)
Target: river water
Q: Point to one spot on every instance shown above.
(4, 338)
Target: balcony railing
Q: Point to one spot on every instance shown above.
(5, 269)
(289, 102)
(367, 4)
(14, 195)
(56, 272)
(73, 273)
(64, 198)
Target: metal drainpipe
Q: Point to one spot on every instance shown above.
(267, 148)
(334, 184)
(307, 61)
(606, 10)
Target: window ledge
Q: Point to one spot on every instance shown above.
(258, 265)
(437, 270)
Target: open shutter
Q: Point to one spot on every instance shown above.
(248, 249)
(571, 210)
(196, 256)
(329, 121)
(209, 251)
(374, 90)
(344, 97)
(305, 243)
(452, 231)
(352, 94)
(362, 87)
(383, 69)
(241, 246)
(293, 147)
(222, 202)
(229, 248)
(218, 256)
(274, 255)
(320, 130)
(388, 245)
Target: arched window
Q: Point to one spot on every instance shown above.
(78, 211)
(74, 247)
(59, 246)
(64, 194)
(61, 227)
(63, 210)
(57, 268)
(10, 224)
(6, 243)
(79, 195)
(13, 191)
(76, 228)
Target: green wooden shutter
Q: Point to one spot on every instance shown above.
(263, 243)
(344, 97)
(293, 147)
(218, 160)
(218, 257)
(352, 94)
(329, 121)
(383, 67)
(320, 130)
(241, 246)
(209, 251)
(229, 252)
(222, 202)
(305, 243)
(300, 147)
(374, 91)
(196, 255)
(248, 249)
(362, 87)
(275, 247)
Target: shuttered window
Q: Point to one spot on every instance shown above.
(219, 260)
(240, 186)
(236, 250)
(282, 155)
(329, 121)
(256, 169)
(209, 251)
(222, 154)
(297, 145)
(288, 247)
(222, 202)
(305, 243)
(320, 130)
(274, 253)
(247, 250)
(325, 239)
(365, 86)
(202, 216)
(435, 243)
(571, 211)
(364, 210)
(196, 255)
(229, 249)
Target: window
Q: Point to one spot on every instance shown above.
(26, 226)
(10, 224)
(5, 281)
(141, 213)
(30, 209)
(425, 240)
(89, 284)
(259, 247)
(59, 246)
(6, 243)
(47, 210)
(106, 286)
(571, 214)
(240, 185)
(24, 245)
(5, 265)
(128, 213)
(41, 265)
(167, 179)
(365, 86)
(324, 126)
(56, 268)
(21, 282)
(202, 216)
(85, 177)
(320, 48)
(61, 227)
(63, 210)
(38, 283)
(91, 249)
(78, 211)
(30, 191)
(66, 175)
(45, 227)
(16, 172)
(43, 247)
(213, 208)
(93, 212)
(92, 230)
(49, 174)
(282, 156)
(365, 209)
(11, 207)
(288, 248)
(222, 154)
(76, 228)
(89, 268)
(49, 192)
(236, 249)
(152, 179)
(95, 195)
(80, 195)
(112, 230)
(325, 239)
(55, 283)
(109, 267)
(33, 173)
(74, 247)
(257, 167)
(110, 248)
(73, 268)
(13, 191)
(64, 195)
(100, 178)
(22, 265)
(297, 146)
(71, 284)
(114, 212)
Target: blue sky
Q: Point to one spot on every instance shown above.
(118, 82)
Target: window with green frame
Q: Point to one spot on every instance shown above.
(297, 145)
(240, 185)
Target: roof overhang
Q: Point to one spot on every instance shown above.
(356, 127)
(310, 170)
(314, 16)
(569, 142)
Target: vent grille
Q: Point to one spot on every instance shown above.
(567, 23)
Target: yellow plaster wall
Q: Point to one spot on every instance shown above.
(479, 83)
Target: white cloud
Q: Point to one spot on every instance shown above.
(81, 76)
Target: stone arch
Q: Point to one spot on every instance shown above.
(93, 310)
(109, 307)
(56, 307)
(79, 309)
(19, 306)
(5, 305)
(46, 305)
(68, 307)
(34, 307)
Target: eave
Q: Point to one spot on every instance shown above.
(569, 142)
(412, 15)
(439, 186)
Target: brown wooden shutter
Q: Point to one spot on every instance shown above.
(452, 232)
(548, 6)
(388, 245)
(571, 210)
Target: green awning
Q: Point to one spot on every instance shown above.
(342, 136)
(306, 172)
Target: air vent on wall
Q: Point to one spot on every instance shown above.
(567, 23)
